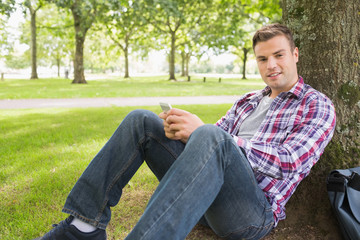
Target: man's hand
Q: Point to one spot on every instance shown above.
(179, 124)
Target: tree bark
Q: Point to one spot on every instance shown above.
(80, 33)
(327, 34)
(126, 53)
(58, 63)
(187, 62)
(172, 57)
(34, 74)
(79, 76)
(183, 56)
(245, 52)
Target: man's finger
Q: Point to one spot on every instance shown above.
(176, 111)
(171, 119)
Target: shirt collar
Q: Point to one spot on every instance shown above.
(296, 90)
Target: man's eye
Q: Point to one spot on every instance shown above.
(279, 55)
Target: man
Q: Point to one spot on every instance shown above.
(235, 176)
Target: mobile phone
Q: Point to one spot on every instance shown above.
(165, 106)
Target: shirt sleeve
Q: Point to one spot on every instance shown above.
(228, 121)
(301, 148)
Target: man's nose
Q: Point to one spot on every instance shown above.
(271, 63)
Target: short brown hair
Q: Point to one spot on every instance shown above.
(272, 30)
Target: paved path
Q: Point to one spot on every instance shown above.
(106, 102)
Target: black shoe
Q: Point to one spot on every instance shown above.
(65, 231)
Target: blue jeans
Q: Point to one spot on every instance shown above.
(209, 178)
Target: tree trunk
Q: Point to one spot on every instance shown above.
(58, 62)
(172, 57)
(34, 74)
(183, 60)
(126, 52)
(187, 62)
(327, 34)
(79, 76)
(80, 33)
(245, 52)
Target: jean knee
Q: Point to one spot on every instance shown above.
(212, 132)
(144, 120)
(139, 114)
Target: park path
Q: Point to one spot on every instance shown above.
(107, 102)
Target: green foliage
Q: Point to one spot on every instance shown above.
(140, 26)
(178, 23)
(125, 25)
(55, 36)
(100, 52)
(5, 42)
(6, 7)
(33, 5)
(16, 62)
(85, 12)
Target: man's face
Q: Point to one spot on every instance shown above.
(277, 64)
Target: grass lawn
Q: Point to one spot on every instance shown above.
(44, 151)
(135, 87)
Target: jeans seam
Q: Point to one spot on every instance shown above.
(268, 207)
(116, 179)
(151, 227)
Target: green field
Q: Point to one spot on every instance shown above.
(44, 151)
(135, 87)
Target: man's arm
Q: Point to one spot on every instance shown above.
(300, 150)
(179, 124)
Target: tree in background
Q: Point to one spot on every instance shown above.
(55, 37)
(187, 28)
(33, 6)
(170, 17)
(6, 7)
(126, 26)
(327, 34)
(84, 13)
(100, 52)
(191, 40)
(234, 22)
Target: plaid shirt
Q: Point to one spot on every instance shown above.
(290, 140)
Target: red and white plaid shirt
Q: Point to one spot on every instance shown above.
(290, 140)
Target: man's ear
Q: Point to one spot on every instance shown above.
(296, 54)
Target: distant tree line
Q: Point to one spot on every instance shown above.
(56, 30)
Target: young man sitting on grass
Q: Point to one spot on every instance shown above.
(235, 176)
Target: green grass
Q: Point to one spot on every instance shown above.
(135, 87)
(44, 151)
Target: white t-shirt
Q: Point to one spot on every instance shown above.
(252, 123)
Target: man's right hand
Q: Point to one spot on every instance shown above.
(179, 124)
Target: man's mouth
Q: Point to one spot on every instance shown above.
(274, 74)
